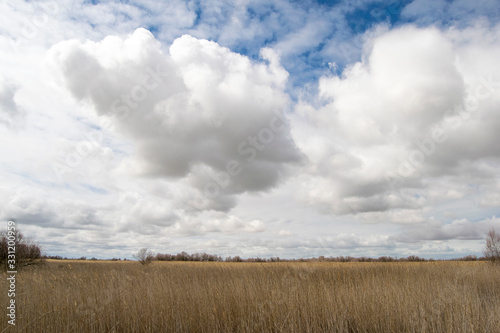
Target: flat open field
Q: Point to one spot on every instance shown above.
(79, 296)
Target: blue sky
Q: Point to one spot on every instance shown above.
(251, 128)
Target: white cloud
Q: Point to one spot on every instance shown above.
(284, 233)
(385, 138)
(201, 112)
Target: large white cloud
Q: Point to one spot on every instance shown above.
(199, 112)
(417, 114)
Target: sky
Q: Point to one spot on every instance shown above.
(290, 129)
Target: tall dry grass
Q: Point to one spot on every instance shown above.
(76, 296)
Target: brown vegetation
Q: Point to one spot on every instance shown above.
(124, 296)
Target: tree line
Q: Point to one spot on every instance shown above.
(28, 252)
(184, 256)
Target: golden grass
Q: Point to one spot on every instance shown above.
(79, 296)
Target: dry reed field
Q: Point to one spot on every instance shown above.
(83, 296)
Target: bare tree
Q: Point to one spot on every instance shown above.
(492, 250)
(27, 251)
(144, 256)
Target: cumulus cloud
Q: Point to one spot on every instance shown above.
(198, 112)
(416, 114)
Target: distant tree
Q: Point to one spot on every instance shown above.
(234, 259)
(144, 256)
(468, 258)
(164, 257)
(27, 251)
(492, 250)
(183, 256)
(414, 258)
